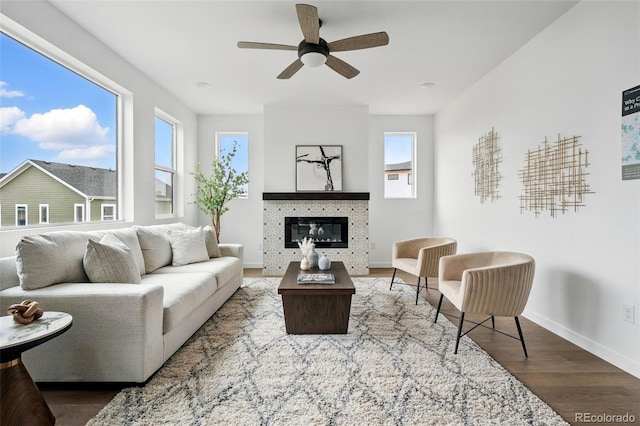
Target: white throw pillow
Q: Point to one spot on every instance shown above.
(188, 246)
(110, 261)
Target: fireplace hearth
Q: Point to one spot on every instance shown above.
(326, 232)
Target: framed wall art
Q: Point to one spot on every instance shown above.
(318, 167)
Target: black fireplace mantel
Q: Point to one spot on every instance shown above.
(326, 195)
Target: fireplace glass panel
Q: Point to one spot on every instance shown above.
(327, 232)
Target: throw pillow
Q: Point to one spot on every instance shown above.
(110, 261)
(211, 241)
(188, 246)
(130, 238)
(155, 246)
(46, 259)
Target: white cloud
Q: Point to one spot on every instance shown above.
(64, 129)
(85, 155)
(4, 93)
(8, 117)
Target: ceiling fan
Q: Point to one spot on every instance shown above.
(313, 51)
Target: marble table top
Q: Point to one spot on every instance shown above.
(13, 334)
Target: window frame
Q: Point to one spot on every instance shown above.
(75, 212)
(26, 214)
(411, 174)
(102, 215)
(123, 104)
(40, 221)
(176, 135)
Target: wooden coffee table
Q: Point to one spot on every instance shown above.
(316, 308)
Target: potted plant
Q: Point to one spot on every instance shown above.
(213, 193)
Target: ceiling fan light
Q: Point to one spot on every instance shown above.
(313, 59)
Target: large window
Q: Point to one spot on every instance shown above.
(240, 162)
(165, 152)
(399, 165)
(54, 118)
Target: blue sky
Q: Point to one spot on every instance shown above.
(398, 148)
(48, 112)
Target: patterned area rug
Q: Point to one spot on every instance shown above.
(394, 367)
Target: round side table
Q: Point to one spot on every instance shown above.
(20, 400)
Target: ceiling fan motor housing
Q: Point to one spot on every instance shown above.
(304, 48)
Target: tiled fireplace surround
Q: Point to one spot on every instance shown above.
(353, 205)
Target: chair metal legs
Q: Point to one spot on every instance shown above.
(459, 332)
(493, 326)
(524, 348)
(393, 277)
(438, 311)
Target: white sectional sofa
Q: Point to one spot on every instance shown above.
(136, 295)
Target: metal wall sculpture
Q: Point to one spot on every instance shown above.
(554, 177)
(486, 161)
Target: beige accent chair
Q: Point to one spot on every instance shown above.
(420, 257)
(489, 283)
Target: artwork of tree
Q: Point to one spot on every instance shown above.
(319, 168)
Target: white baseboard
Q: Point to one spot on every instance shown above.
(624, 363)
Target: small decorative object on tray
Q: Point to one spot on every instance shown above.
(316, 279)
(25, 312)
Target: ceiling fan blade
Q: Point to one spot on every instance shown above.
(254, 45)
(341, 67)
(359, 42)
(309, 22)
(291, 69)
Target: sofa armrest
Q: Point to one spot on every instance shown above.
(230, 249)
(116, 334)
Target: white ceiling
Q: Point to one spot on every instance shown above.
(179, 43)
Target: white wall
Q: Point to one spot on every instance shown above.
(288, 126)
(44, 22)
(272, 142)
(398, 219)
(567, 80)
(243, 222)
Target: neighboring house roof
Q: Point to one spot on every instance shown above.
(88, 181)
(406, 165)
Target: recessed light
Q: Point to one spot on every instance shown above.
(427, 85)
(202, 84)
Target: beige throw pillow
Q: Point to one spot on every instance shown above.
(211, 241)
(110, 261)
(188, 246)
(46, 259)
(155, 246)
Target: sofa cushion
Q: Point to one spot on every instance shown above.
(187, 246)
(155, 245)
(56, 257)
(223, 268)
(182, 294)
(212, 242)
(110, 261)
(130, 238)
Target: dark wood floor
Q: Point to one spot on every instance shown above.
(572, 381)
